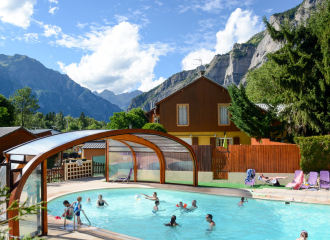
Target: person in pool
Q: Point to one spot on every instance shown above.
(101, 202)
(303, 235)
(88, 200)
(172, 223)
(240, 204)
(68, 211)
(193, 206)
(152, 198)
(210, 221)
(155, 208)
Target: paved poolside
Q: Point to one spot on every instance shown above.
(60, 188)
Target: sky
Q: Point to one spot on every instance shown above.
(124, 45)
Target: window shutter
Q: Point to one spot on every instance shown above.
(236, 141)
(212, 143)
(195, 141)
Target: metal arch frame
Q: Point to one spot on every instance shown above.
(113, 134)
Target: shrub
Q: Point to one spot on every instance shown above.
(154, 126)
(314, 152)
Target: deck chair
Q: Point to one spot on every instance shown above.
(270, 182)
(251, 181)
(312, 181)
(324, 179)
(297, 181)
(124, 178)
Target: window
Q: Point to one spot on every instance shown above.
(223, 114)
(219, 141)
(183, 114)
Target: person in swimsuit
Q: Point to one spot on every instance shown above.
(193, 206)
(77, 208)
(88, 200)
(68, 212)
(209, 220)
(270, 178)
(152, 198)
(155, 208)
(240, 204)
(303, 235)
(101, 202)
(172, 223)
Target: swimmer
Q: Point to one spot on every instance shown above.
(180, 205)
(155, 208)
(101, 202)
(193, 207)
(152, 198)
(209, 220)
(172, 223)
(303, 235)
(68, 211)
(240, 204)
(88, 200)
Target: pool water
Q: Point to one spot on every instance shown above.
(257, 219)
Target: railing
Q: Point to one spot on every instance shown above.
(98, 168)
(55, 174)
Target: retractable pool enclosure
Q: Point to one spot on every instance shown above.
(152, 155)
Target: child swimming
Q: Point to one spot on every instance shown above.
(88, 201)
(155, 208)
(172, 223)
(240, 204)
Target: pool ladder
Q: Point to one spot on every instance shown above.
(74, 218)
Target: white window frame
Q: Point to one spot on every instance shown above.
(219, 117)
(219, 141)
(177, 115)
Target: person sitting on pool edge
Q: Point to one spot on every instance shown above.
(209, 220)
(101, 202)
(172, 223)
(193, 206)
(155, 208)
(68, 212)
(152, 198)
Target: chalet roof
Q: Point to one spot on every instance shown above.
(193, 82)
(94, 145)
(4, 131)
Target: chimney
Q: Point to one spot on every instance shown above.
(201, 70)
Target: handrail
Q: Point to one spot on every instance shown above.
(74, 218)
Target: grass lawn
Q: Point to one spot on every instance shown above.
(230, 185)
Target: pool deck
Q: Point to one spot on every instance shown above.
(61, 188)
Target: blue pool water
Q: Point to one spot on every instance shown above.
(258, 219)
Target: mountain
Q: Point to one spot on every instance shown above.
(122, 100)
(232, 67)
(55, 91)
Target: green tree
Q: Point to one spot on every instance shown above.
(73, 126)
(25, 102)
(60, 122)
(251, 119)
(7, 112)
(83, 121)
(122, 120)
(304, 61)
(155, 126)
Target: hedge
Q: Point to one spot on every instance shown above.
(155, 126)
(315, 153)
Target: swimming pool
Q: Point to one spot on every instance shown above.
(258, 219)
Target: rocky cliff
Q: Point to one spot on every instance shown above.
(55, 91)
(231, 67)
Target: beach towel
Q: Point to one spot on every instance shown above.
(250, 175)
(296, 182)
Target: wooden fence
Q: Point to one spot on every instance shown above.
(204, 157)
(98, 168)
(55, 174)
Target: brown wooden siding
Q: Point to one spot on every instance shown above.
(13, 139)
(203, 97)
(204, 157)
(262, 158)
(90, 153)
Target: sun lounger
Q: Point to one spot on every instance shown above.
(248, 180)
(298, 180)
(124, 178)
(270, 181)
(324, 179)
(312, 180)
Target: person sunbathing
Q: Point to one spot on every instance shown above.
(269, 179)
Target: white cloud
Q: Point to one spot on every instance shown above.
(159, 3)
(81, 25)
(120, 18)
(52, 10)
(189, 62)
(17, 12)
(29, 38)
(51, 30)
(240, 26)
(53, 1)
(268, 10)
(117, 61)
(207, 23)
